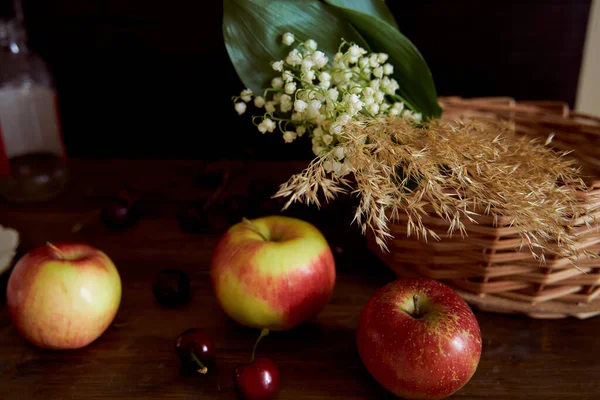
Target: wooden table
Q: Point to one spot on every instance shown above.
(522, 358)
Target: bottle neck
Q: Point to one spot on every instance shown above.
(13, 37)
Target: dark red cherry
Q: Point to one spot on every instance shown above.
(118, 216)
(257, 380)
(128, 196)
(171, 288)
(193, 218)
(196, 350)
(123, 211)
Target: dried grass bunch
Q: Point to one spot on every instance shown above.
(455, 170)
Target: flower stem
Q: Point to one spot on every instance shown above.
(263, 333)
(279, 119)
(396, 96)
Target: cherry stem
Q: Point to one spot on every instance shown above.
(56, 250)
(79, 225)
(263, 333)
(217, 192)
(202, 368)
(416, 302)
(253, 227)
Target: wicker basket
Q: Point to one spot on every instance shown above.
(485, 267)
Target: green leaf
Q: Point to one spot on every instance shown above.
(252, 31)
(417, 87)
(375, 8)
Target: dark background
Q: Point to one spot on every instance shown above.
(123, 69)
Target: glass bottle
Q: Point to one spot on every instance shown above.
(33, 160)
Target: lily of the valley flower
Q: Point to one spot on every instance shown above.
(315, 95)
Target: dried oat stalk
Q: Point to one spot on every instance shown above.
(456, 171)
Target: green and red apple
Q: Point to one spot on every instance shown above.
(273, 272)
(419, 339)
(63, 296)
(9, 242)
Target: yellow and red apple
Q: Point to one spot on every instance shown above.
(419, 339)
(273, 272)
(63, 296)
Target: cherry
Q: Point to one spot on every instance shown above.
(123, 211)
(193, 218)
(171, 287)
(199, 216)
(258, 379)
(128, 196)
(195, 349)
(117, 216)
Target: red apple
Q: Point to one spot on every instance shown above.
(63, 296)
(419, 339)
(273, 272)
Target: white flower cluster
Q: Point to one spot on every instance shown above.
(312, 95)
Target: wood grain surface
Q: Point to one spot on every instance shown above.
(522, 358)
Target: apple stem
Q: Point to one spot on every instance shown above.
(263, 333)
(201, 367)
(56, 250)
(254, 227)
(416, 302)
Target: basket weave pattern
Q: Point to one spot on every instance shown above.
(486, 267)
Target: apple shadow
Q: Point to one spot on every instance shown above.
(3, 286)
(321, 353)
(372, 387)
(20, 252)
